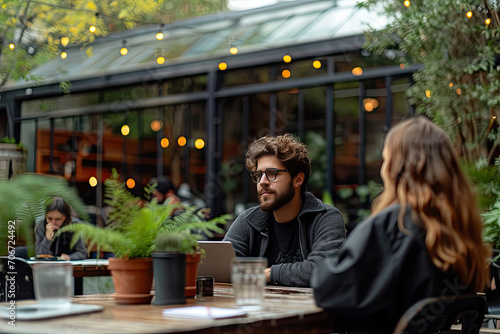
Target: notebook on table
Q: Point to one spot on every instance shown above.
(217, 261)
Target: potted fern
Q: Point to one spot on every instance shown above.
(130, 235)
(177, 246)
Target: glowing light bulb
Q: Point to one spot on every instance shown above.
(164, 142)
(159, 35)
(156, 125)
(450, 85)
(125, 130)
(181, 141)
(160, 60)
(130, 183)
(428, 93)
(487, 21)
(233, 50)
(369, 107)
(402, 66)
(93, 181)
(199, 143)
(459, 91)
(123, 51)
(469, 14)
(222, 66)
(287, 58)
(316, 64)
(357, 71)
(286, 74)
(12, 46)
(407, 3)
(92, 29)
(64, 55)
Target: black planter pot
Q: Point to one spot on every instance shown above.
(170, 278)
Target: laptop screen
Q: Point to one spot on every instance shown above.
(217, 261)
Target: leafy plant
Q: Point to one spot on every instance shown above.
(22, 201)
(181, 232)
(458, 44)
(134, 226)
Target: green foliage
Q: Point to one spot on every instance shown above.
(182, 231)
(459, 84)
(38, 26)
(134, 226)
(22, 200)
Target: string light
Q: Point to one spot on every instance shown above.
(316, 64)
(124, 50)
(64, 55)
(160, 60)
(164, 142)
(92, 29)
(125, 130)
(287, 58)
(407, 3)
(402, 66)
(469, 14)
(428, 93)
(459, 91)
(487, 21)
(93, 181)
(286, 74)
(12, 46)
(234, 50)
(64, 41)
(450, 85)
(156, 125)
(159, 35)
(222, 66)
(199, 143)
(357, 71)
(182, 141)
(130, 183)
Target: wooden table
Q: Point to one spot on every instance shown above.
(285, 310)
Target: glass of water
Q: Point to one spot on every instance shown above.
(249, 279)
(53, 283)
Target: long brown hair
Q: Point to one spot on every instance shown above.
(421, 170)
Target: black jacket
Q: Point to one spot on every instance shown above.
(379, 274)
(321, 233)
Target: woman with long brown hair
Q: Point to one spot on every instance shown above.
(422, 239)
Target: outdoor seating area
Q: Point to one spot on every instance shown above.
(237, 166)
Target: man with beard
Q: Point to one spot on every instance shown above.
(293, 229)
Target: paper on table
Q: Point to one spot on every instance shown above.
(204, 312)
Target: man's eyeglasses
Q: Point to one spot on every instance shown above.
(271, 174)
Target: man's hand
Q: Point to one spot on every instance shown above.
(268, 274)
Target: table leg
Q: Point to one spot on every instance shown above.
(78, 286)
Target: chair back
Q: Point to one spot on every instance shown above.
(16, 279)
(436, 315)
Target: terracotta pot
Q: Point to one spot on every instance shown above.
(192, 261)
(133, 279)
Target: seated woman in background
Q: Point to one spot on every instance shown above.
(57, 215)
(423, 238)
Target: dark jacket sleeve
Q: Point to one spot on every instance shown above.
(42, 244)
(240, 235)
(325, 239)
(363, 280)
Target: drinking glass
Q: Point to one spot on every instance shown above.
(53, 283)
(249, 279)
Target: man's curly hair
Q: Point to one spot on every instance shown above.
(288, 149)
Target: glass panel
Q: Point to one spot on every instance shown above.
(245, 76)
(29, 108)
(28, 140)
(287, 114)
(291, 27)
(131, 93)
(401, 108)
(315, 137)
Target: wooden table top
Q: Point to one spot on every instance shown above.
(285, 309)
